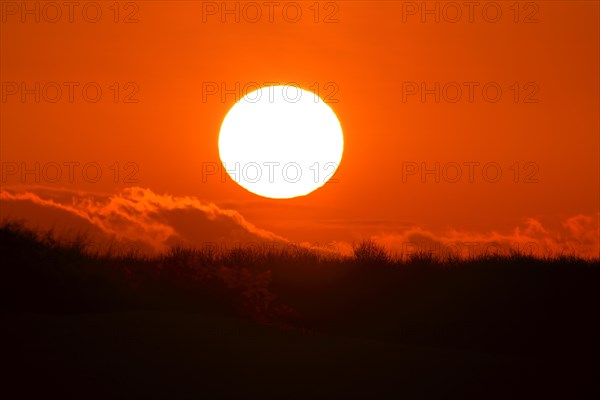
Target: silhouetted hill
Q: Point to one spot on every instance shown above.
(293, 323)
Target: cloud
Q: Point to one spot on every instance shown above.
(576, 235)
(151, 221)
(138, 218)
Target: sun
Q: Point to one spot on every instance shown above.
(281, 142)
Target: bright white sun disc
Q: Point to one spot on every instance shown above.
(281, 142)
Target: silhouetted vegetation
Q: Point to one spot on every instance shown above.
(506, 304)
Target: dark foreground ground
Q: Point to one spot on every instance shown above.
(250, 324)
(187, 356)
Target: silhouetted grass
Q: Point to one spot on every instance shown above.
(513, 303)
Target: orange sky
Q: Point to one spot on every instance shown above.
(371, 52)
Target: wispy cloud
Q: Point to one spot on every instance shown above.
(154, 222)
(576, 235)
(138, 215)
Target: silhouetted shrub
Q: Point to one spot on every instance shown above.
(370, 253)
